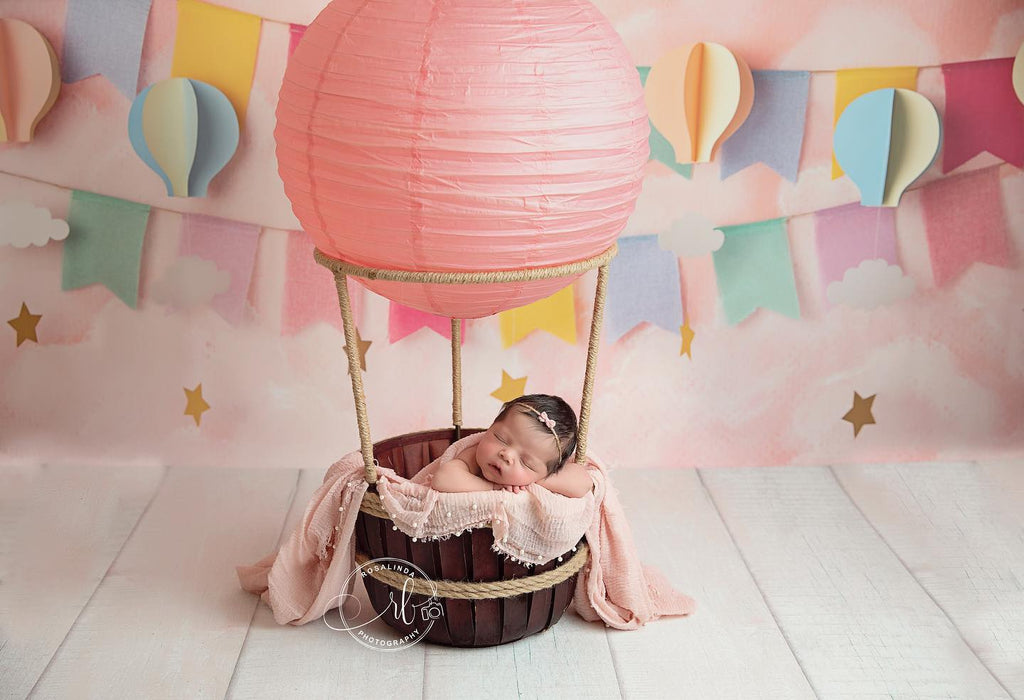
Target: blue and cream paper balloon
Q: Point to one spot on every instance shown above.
(186, 131)
(886, 139)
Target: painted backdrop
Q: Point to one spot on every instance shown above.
(104, 382)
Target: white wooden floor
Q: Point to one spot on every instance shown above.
(882, 581)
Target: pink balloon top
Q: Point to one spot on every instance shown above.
(462, 135)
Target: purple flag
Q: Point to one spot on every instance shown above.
(105, 36)
(773, 134)
(643, 285)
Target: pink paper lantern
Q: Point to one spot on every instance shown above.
(462, 136)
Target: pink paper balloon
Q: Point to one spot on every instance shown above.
(462, 136)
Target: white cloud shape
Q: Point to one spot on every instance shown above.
(191, 282)
(871, 284)
(23, 224)
(691, 236)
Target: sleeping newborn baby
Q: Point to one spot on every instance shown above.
(529, 442)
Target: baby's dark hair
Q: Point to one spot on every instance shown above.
(557, 410)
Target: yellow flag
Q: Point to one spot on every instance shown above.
(851, 84)
(217, 46)
(555, 314)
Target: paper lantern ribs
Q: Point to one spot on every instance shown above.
(29, 79)
(186, 131)
(487, 137)
(698, 95)
(886, 139)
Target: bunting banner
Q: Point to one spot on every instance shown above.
(105, 37)
(218, 46)
(852, 83)
(403, 320)
(982, 113)
(295, 34)
(310, 293)
(754, 270)
(231, 246)
(848, 235)
(555, 314)
(643, 285)
(964, 223)
(104, 244)
(773, 134)
(661, 149)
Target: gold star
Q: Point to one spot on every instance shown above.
(510, 388)
(363, 346)
(687, 334)
(196, 403)
(860, 414)
(25, 325)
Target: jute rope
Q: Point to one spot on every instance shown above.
(341, 269)
(478, 590)
(531, 273)
(588, 377)
(457, 378)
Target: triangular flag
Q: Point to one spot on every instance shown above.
(555, 314)
(403, 320)
(643, 285)
(754, 270)
(231, 246)
(217, 45)
(104, 244)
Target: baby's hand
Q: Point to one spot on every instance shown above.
(513, 489)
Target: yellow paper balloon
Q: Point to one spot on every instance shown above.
(697, 96)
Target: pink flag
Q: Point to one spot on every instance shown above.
(982, 113)
(231, 246)
(295, 35)
(848, 235)
(310, 294)
(964, 221)
(403, 320)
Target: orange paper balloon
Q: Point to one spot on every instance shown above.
(29, 79)
(698, 96)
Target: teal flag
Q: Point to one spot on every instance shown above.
(754, 269)
(661, 149)
(104, 244)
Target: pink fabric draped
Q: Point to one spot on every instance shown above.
(303, 579)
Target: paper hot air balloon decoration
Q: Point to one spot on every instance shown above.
(698, 95)
(29, 79)
(520, 143)
(186, 131)
(886, 139)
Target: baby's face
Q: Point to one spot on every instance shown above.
(514, 452)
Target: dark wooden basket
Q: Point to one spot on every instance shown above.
(467, 557)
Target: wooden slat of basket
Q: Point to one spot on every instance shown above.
(515, 610)
(540, 603)
(458, 613)
(486, 613)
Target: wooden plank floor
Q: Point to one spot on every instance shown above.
(879, 581)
